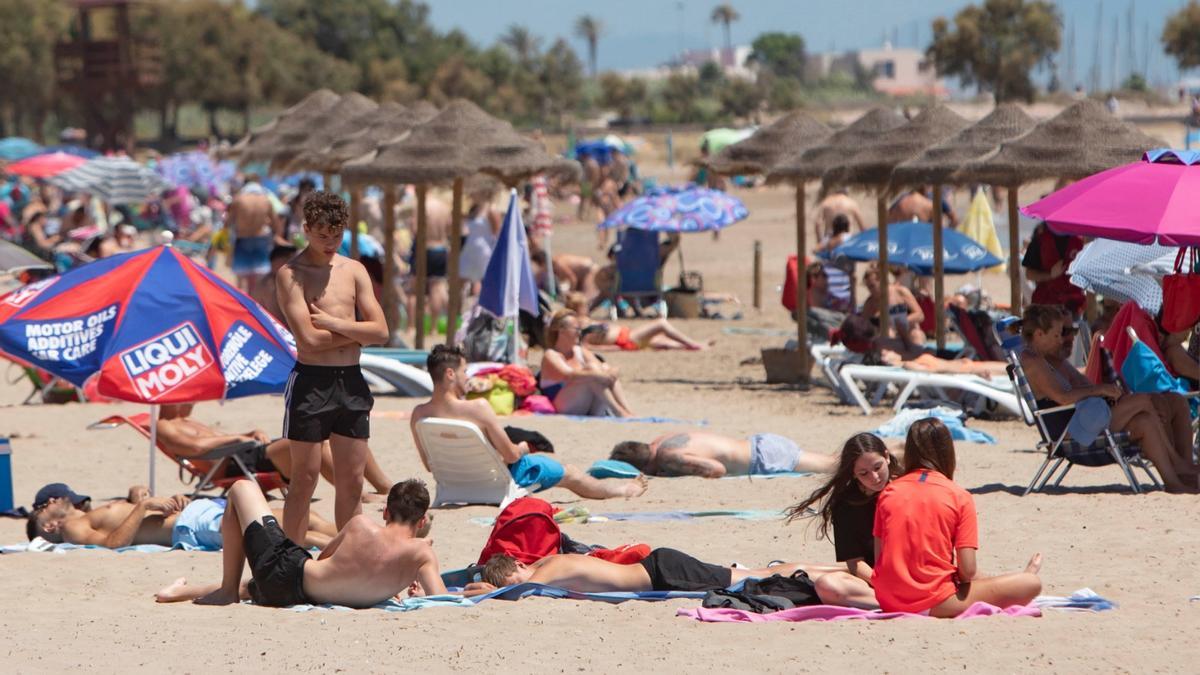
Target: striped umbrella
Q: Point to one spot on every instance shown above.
(116, 180)
(1124, 271)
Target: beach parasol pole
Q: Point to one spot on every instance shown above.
(801, 284)
(153, 444)
(939, 281)
(422, 268)
(1014, 254)
(881, 218)
(390, 305)
(355, 216)
(454, 307)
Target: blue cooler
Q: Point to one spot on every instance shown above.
(6, 488)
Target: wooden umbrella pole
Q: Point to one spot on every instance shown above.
(455, 306)
(1014, 253)
(801, 285)
(355, 217)
(422, 269)
(391, 308)
(939, 273)
(881, 219)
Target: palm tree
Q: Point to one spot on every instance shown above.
(590, 28)
(523, 43)
(725, 14)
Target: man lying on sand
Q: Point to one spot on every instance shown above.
(699, 453)
(184, 436)
(448, 368)
(665, 569)
(364, 565)
(167, 521)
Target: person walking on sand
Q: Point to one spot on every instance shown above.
(332, 311)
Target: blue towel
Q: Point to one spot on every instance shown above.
(897, 427)
(405, 605)
(612, 468)
(1083, 600)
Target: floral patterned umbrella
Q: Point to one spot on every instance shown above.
(679, 209)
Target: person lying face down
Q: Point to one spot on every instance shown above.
(665, 569)
(700, 453)
(142, 519)
(365, 564)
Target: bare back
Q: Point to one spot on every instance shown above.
(368, 567)
(333, 289)
(913, 205)
(250, 215)
(685, 454)
(835, 205)
(584, 574)
(437, 223)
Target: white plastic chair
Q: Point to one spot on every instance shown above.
(465, 466)
(1000, 391)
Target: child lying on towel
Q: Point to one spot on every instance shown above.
(697, 453)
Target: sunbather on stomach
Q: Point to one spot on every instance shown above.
(699, 453)
(859, 335)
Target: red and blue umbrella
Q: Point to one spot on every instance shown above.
(44, 165)
(675, 209)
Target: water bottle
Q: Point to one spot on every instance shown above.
(6, 485)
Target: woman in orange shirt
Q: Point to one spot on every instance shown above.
(926, 537)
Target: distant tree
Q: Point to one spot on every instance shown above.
(725, 15)
(996, 45)
(28, 31)
(625, 95)
(781, 54)
(710, 77)
(740, 98)
(1135, 82)
(1181, 35)
(524, 44)
(589, 29)
(561, 79)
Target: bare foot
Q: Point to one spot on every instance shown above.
(217, 597)
(172, 593)
(636, 487)
(1035, 564)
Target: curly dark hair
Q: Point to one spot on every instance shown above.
(325, 210)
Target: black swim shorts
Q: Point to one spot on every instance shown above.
(672, 570)
(436, 261)
(255, 459)
(324, 400)
(276, 563)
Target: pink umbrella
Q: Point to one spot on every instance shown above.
(44, 166)
(1154, 200)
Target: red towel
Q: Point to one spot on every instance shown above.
(1118, 342)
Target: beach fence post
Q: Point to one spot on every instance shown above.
(419, 251)
(1014, 253)
(884, 281)
(757, 274)
(454, 308)
(153, 444)
(6, 483)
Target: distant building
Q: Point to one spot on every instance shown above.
(896, 72)
(731, 61)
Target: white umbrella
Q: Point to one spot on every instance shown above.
(115, 180)
(1124, 271)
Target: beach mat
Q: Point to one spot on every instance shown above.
(515, 592)
(405, 605)
(42, 546)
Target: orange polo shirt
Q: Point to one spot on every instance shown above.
(921, 518)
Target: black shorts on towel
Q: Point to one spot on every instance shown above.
(324, 400)
(672, 570)
(276, 563)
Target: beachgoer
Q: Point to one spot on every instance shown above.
(903, 310)
(927, 537)
(295, 215)
(840, 230)
(483, 229)
(709, 455)
(1046, 261)
(861, 336)
(264, 291)
(1053, 384)
(917, 205)
(364, 565)
(574, 380)
(142, 519)
(665, 569)
(836, 203)
(448, 368)
(820, 295)
(332, 311)
(655, 334)
(256, 228)
(845, 506)
(437, 255)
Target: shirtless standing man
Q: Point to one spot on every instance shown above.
(255, 228)
(364, 565)
(918, 205)
(700, 453)
(838, 202)
(437, 255)
(448, 367)
(321, 293)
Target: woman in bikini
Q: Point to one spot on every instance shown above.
(657, 334)
(860, 335)
(574, 380)
(903, 310)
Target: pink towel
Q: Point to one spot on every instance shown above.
(834, 613)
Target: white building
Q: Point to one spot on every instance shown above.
(897, 72)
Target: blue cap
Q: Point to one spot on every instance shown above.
(55, 491)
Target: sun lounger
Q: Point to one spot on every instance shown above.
(405, 379)
(909, 381)
(465, 466)
(412, 357)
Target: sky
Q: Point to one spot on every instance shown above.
(645, 33)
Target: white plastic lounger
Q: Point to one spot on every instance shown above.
(997, 390)
(405, 379)
(465, 466)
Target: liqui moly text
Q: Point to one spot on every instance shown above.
(161, 364)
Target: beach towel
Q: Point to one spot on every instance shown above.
(1118, 342)
(897, 427)
(612, 468)
(833, 613)
(39, 545)
(405, 605)
(1082, 600)
(527, 589)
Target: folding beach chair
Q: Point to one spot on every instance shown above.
(1111, 447)
(465, 466)
(206, 471)
(979, 341)
(638, 280)
(49, 389)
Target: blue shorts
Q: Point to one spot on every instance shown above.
(198, 526)
(772, 453)
(537, 471)
(252, 255)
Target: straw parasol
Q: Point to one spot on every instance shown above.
(1081, 140)
(1006, 122)
(252, 147)
(386, 123)
(790, 133)
(460, 141)
(289, 143)
(812, 162)
(872, 165)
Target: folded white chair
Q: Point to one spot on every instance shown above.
(465, 466)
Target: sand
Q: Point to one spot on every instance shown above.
(95, 609)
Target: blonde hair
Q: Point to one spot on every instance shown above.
(557, 322)
(576, 302)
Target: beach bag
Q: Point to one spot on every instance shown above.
(485, 339)
(525, 530)
(500, 397)
(537, 440)
(1181, 295)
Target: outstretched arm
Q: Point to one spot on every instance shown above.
(412, 426)
(290, 295)
(372, 329)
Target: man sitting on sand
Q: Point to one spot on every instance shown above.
(183, 436)
(665, 569)
(166, 521)
(364, 565)
(448, 368)
(700, 453)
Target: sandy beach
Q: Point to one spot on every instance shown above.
(95, 609)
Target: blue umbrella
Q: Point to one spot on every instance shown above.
(15, 147)
(66, 148)
(679, 209)
(507, 286)
(911, 244)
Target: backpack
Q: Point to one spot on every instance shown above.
(525, 530)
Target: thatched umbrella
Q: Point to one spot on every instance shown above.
(938, 164)
(460, 141)
(259, 143)
(1081, 140)
(791, 133)
(872, 167)
(288, 144)
(806, 164)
